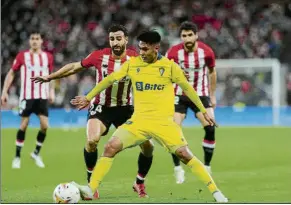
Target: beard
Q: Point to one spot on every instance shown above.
(190, 45)
(120, 50)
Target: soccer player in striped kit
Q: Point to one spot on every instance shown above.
(112, 106)
(198, 63)
(34, 98)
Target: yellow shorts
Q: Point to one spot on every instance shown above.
(135, 131)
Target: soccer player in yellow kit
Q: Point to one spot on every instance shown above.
(152, 77)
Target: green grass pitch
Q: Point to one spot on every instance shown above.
(250, 165)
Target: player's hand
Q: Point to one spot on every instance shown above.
(213, 100)
(210, 120)
(4, 98)
(40, 79)
(80, 102)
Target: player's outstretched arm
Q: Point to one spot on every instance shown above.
(179, 78)
(83, 101)
(7, 83)
(65, 71)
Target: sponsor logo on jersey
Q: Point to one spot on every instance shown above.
(141, 86)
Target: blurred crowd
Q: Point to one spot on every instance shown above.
(72, 28)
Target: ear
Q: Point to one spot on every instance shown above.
(126, 39)
(157, 47)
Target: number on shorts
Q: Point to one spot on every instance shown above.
(22, 106)
(93, 111)
(177, 100)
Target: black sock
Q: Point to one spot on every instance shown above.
(176, 160)
(144, 165)
(20, 136)
(39, 141)
(208, 144)
(90, 161)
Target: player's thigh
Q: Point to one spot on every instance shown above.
(171, 136)
(101, 117)
(124, 114)
(180, 109)
(95, 129)
(44, 123)
(26, 107)
(131, 134)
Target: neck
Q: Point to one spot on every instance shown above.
(194, 48)
(119, 57)
(154, 59)
(38, 50)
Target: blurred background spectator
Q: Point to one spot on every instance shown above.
(233, 28)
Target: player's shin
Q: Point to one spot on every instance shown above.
(208, 144)
(144, 165)
(200, 171)
(90, 161)
(101, 169)
(20, 137)
(39, 141)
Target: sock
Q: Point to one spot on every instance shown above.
(176, 160)
(39, 141)
(101, 169)
(199, 170)
(144, 165)
(208, 144)
(90, 161)
(20, 136)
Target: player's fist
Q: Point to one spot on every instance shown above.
(40, 79)
(210, 120)
(80, 102)
(4, 98)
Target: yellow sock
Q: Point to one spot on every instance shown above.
(101, 169)
(199, 170)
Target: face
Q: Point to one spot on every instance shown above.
(117, 42)
(147, 51)
(189, 38)
(35, 41)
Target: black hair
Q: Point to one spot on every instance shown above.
(150, 36)
(118, 27)
(188, 25)
(36, 32)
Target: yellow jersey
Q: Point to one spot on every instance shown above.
(152, 83)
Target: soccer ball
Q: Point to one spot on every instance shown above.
(66, 193)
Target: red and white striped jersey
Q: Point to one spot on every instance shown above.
(33, 64)
(119, 94)
(195, 65)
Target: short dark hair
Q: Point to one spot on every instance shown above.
(150, 36)
(36, 32)
(188, 25)
(118, 27)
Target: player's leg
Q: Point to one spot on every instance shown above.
(179, 116)
(95, 129)
(145, 159)
(25, 110)
(199, 170)
(122, 138)
(208, 143)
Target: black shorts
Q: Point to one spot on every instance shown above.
(36, 106)
(182, 103)
(110, 115)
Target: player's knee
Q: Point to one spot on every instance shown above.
(91, 145)
(209, 133)
(112, 148)
(147, 148)
(24, 125)
(183, 154)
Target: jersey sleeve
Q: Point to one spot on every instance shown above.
(109, 80)
(51, 63)
(18, 62)
(179, 78)
(90, 60)
(210, 59)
